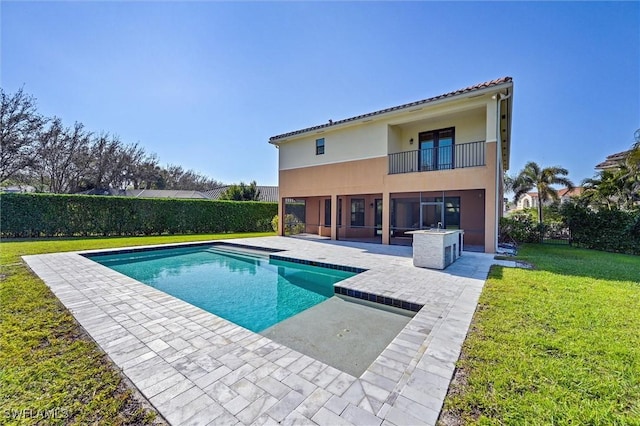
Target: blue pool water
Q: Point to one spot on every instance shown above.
(252, 291)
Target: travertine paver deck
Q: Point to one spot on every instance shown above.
(197, 368)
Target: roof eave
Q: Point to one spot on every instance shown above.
(390, 112)
(506, 158)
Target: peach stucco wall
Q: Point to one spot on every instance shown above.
(370, 177)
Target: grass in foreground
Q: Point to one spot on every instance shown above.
(559, 344)
(50, 373)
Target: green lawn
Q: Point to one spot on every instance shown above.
(50, 373)
(558, 344)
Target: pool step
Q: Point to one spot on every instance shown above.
(239, 252)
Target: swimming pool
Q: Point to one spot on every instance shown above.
(246, 288)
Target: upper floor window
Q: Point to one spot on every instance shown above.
(320, 146)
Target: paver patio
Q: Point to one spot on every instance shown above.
(196, 368)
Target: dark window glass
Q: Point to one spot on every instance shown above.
(320, 146)
(451, 212)
(378, 218)
(357, 212)
(436, 149)
(327, 212)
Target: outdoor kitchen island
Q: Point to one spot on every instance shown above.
(436, 248)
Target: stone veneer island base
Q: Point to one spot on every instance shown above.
(436, 249)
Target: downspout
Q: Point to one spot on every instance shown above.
(501, 97)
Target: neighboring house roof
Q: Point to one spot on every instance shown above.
(566, 192)
(613, 161)
(476, 87)
(104, 191)
(267, 193)
(164, 193)
(145, 193)
(18, 188)
(562, 192)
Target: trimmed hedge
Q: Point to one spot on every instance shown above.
(615, 230)
(49, 215)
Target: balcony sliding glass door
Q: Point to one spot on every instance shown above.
(436, 149)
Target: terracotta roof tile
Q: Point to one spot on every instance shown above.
(475, 87)
(561, 192)
(565, 192)
(613, 160)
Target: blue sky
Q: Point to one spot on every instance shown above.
(205, 84)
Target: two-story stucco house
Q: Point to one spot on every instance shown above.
(429, 163)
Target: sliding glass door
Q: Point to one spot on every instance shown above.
(436, 149)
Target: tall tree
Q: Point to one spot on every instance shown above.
(150, 174)
(130, 166)
(20, 125)
(175, 177)
(602, 190)
(44, 153)
(542, 179)
(63, 156)
(242, 192)
(105, 151)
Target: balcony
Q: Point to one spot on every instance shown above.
(458, 156)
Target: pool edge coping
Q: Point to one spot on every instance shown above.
(444, 362)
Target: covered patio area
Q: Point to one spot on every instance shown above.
(365, 217)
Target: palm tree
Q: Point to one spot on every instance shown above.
(507, 183)
(633, 158)
(602, 190)
(619, 186)
(632, 176)
(532, 176)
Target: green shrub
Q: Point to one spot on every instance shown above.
(609, 230)
(520, 228)
(292, 225)
(613, 230)
(274, 223)
(48, 215)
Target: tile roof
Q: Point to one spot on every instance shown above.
(562, 192)
(473, 88)
(566, 192)
(613, 160)
(164, 193)
(267, 193)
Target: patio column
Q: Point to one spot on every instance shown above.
(386, 217)
(491, 198)
(334, 216)
(281, 217)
